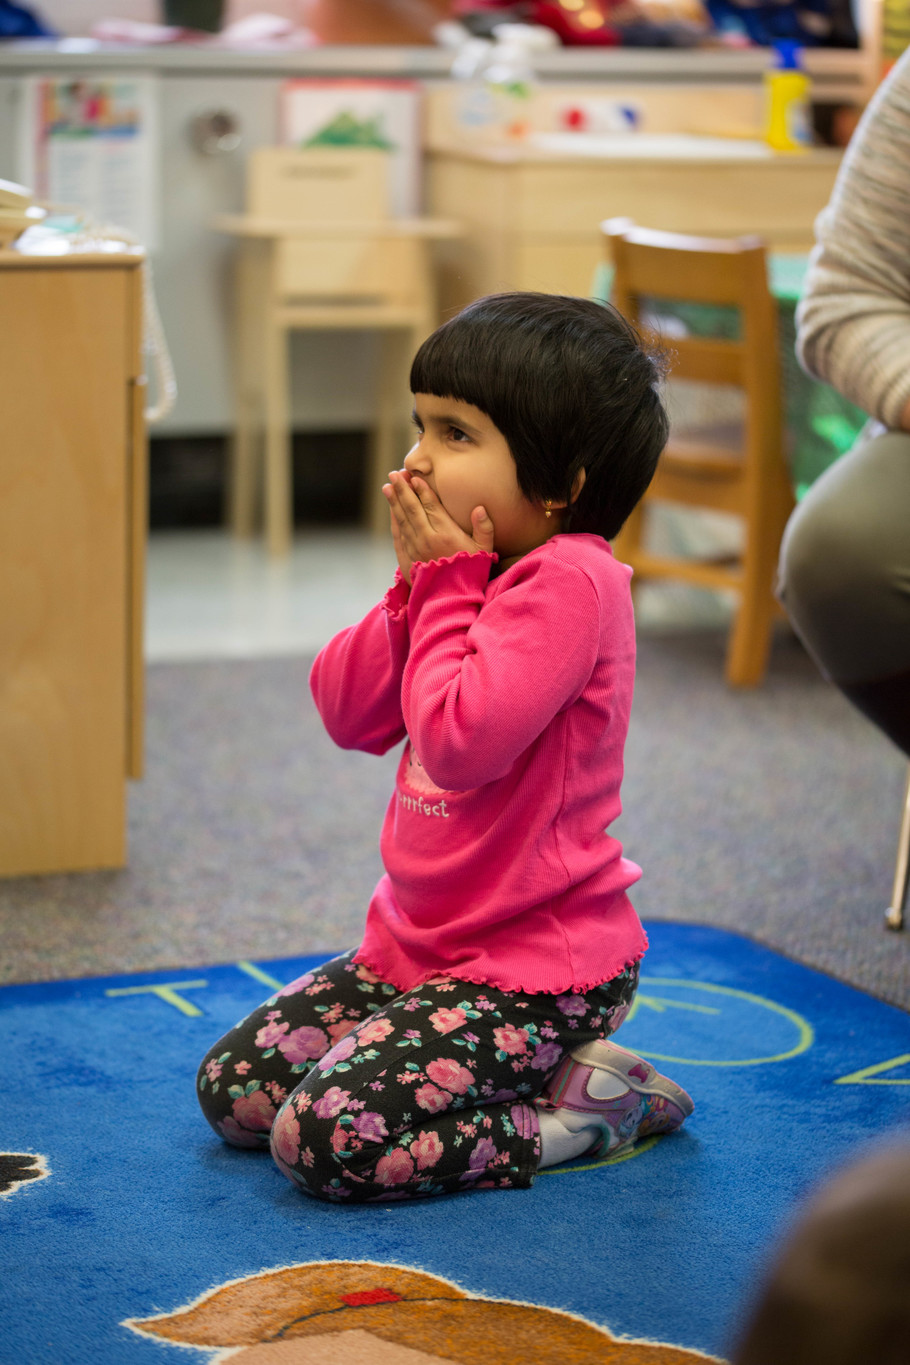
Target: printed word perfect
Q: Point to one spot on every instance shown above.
(422, 807)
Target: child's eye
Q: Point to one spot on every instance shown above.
(416, 424)
(456, 434)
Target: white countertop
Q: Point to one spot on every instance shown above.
(655, 148)
(612, 64)
(648, 146)
(837, 74)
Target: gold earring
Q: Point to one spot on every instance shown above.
(548, 507)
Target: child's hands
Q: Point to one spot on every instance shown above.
(422, 528)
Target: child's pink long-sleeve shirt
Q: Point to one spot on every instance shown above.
(514, 695)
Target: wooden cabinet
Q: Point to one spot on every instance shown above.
(531, 218)
(72, 537)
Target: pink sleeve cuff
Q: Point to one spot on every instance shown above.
(429, 569)
(395, 602)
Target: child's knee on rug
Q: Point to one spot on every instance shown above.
(345, 1145)
(359, 1157)
(301, 1154)
(241, 1112)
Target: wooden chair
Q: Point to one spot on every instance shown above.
(749, 479)
(320, 251)
(894, 915)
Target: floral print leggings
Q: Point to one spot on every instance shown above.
(368, 1093)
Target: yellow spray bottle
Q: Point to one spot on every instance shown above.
(788, 119)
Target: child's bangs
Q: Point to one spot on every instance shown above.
(455, 363)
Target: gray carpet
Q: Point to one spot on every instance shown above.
(773, 813)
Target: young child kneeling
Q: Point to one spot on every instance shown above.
(464, 1043)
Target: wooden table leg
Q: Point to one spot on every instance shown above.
(389, 441)
(278, 494)
(244, 455)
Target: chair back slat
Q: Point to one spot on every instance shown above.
(697, 269)
(703, 360)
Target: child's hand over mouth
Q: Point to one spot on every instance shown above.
(422, 528)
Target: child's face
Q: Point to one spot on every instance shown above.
(467, 463)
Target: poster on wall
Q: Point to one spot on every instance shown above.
(90, 146)
(360, 113)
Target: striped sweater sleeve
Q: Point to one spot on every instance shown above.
(854, 319)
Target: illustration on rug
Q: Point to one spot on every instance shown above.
(364, 1311)
(18, 1168)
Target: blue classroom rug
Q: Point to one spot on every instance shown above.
(129, 1234)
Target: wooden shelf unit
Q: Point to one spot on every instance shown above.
(72, 541)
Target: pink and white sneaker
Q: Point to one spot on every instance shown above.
(603, 1086)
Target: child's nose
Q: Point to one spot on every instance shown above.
(416, 461)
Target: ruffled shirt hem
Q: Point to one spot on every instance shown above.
(569, 988)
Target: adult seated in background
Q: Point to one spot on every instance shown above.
(839, 1292)
(845, 558)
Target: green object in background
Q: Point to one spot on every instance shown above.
(787, 275)
(347, 131)
(821, 424)
(205, 15)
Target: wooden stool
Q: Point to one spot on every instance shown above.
(751, 480)
(320, 252)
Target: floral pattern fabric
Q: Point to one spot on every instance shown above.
(368, 1093)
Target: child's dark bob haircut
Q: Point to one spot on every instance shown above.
(570, 385)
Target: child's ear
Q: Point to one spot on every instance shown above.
(577, 486)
